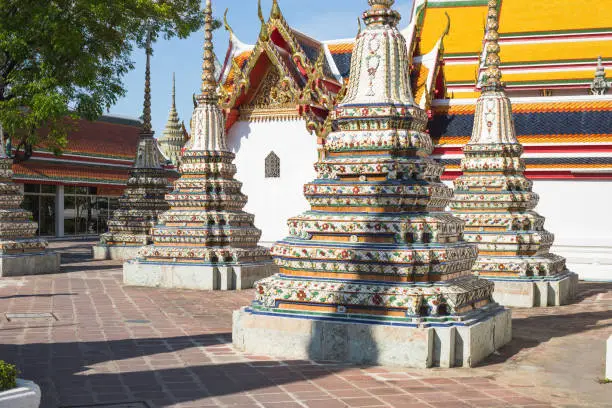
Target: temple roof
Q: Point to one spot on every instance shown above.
(564, 138)
(544, 45)
(98, 153)
(317, 69)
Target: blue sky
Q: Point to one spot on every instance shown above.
(321, 19)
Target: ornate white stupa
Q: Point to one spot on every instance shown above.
(205, 241)
(495, 200)
(21, 251)
(143, 199)
(376, 272)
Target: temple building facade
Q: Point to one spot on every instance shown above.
(278, 92)
(74, 194)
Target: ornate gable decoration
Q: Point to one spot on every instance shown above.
(295, 79)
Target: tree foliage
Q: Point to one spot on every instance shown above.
(67, 58)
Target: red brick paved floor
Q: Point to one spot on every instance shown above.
(173, 348)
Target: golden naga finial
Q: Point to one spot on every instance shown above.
(146, 112)
(491, 80)
(276, 11)
(263, 34)
(227, 26)
(209, 83)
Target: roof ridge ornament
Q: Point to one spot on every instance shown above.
(491, 80)
(263, 34)
(209, 83)
(600, 85)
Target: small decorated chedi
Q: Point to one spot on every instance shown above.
(205, 240)
(143, 199)
(21, 252)
(377, 269)
(173, 138)
(496, 202)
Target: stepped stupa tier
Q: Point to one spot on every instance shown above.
(173, 138)
(376, 269)
(21, 251)
(205, 240)
(495, 200)
(143, 199)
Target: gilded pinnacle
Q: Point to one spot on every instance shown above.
(209, 83)
(381, 13)
(492, 76)
(146, 114)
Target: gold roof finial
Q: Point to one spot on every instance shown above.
(276, 11)
(209, 84)
(263, 34)
(226, 25)
(491, 80)
(146, 112)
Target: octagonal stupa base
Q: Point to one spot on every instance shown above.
(115, 252)
(38, 263)
(419, 344)
(538, 291)
(195, 276)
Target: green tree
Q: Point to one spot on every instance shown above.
(64, 59)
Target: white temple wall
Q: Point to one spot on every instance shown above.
(273, 200)
(578, 213)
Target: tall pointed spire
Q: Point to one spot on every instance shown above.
(146, 112)
(143, 199)
(491, 80)
(172, 141)
(209, 83)
(208, 122)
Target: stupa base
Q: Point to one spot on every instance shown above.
(536, 291)
(195, 276)
(38, 263)
(115, 252)
(418, 345)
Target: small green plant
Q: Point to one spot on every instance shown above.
(8, 376)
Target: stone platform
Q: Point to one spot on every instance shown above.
(195, 276)
(418, 345)
(115, 252)
(555, 290)
(38, 263)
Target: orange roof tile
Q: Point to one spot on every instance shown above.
(69, 174)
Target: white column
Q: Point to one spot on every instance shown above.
(59, 212)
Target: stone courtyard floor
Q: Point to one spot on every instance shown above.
(98, 343)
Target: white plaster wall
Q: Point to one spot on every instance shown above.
(578, 213)
(273, 200)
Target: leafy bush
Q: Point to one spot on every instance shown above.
(8, 376)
